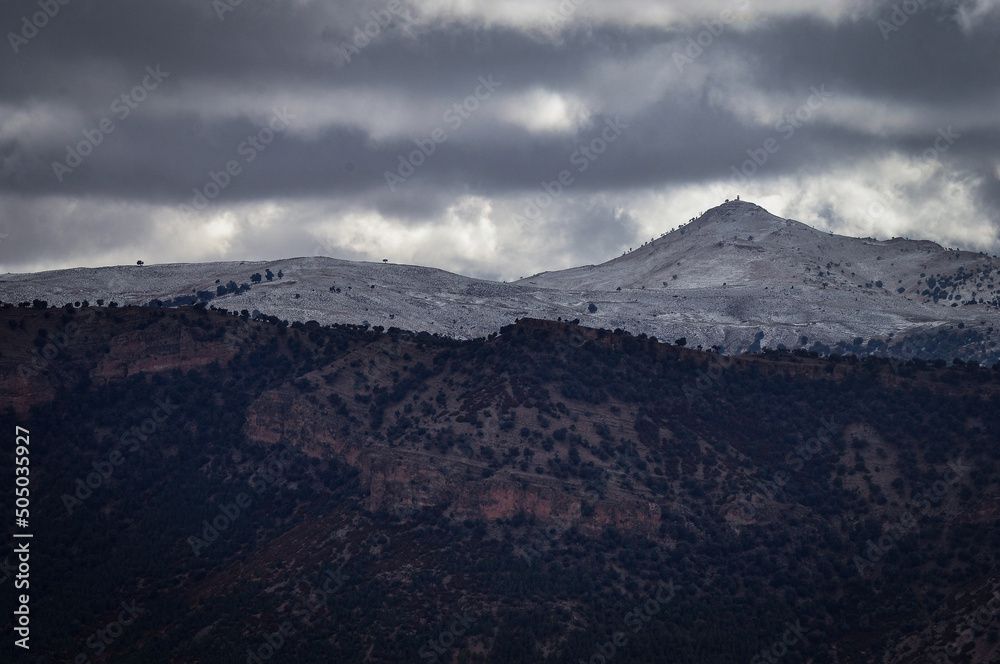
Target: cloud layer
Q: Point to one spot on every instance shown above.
(496, 139)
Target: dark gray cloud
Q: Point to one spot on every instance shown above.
(645, 124)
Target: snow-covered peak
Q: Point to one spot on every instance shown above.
(741, 243)
(735, 277)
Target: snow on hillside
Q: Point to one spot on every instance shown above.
(740, 243)
(725, 279)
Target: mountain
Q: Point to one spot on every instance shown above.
(209, 488)
(741, 244)
(738, 270)
(737, 278)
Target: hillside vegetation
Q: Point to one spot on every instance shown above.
(553, 493)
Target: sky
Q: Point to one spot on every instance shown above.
(491, 138)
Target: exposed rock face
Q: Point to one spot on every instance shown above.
(402, 480)
(86, 344)
(154, 350)
(329, 414)
(763, 479)
(35, 358)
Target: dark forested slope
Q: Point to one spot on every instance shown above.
(209, 488)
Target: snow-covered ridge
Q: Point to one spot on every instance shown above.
(740, 243)
(722, 279)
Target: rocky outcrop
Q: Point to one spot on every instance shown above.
(86, 344)
(403, 480)
(156, 349)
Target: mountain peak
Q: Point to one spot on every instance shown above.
(736, 202)
(735, 209)
(733, 220)
(738, 253)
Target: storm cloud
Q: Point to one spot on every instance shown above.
(495, 139)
